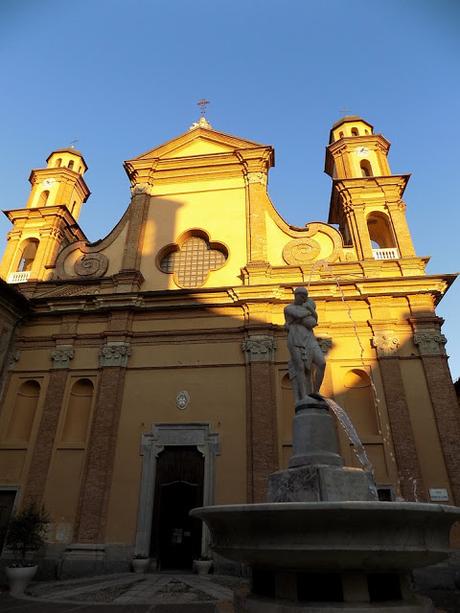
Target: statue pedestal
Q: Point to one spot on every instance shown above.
(316, 483)
(316, 469)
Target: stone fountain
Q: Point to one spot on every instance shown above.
(324, 542)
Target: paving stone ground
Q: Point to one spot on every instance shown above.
(128, 592)
(151, 593)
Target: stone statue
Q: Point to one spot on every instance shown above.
(301, 317)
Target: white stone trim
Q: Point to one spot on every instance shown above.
(152, 444)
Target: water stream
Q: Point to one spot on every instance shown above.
(340, 413)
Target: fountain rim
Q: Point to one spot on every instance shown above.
(348, 505)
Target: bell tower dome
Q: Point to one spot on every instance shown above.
(49, 221)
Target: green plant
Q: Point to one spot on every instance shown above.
(26, 531)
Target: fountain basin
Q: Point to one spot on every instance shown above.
(333, 536)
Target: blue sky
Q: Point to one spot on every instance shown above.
(124, 76)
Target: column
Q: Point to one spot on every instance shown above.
(431, 343)
(410, 475)
(97, 477)
(262, 445)
(34, 488)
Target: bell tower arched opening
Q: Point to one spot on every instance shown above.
(366, 168)
(28, 254)
(380, 231)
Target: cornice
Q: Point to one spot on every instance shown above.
(39, 174)
(349, 142)
(322, 290)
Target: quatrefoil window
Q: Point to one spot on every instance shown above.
(192, 258)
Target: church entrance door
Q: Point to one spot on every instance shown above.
(176, 537)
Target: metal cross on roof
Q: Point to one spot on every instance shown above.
(203, 103)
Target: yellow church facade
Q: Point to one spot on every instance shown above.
(146, 373)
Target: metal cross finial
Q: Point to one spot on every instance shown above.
(72, 143)
(344, 110)
(203, 103)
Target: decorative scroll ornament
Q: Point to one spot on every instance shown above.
(62, 355)
(91, 265)
(430, 342)
(301, 251)
(182, 400)
(115, 354)
(387, 344)
(201, 123)
(259, 348)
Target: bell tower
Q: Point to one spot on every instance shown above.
(49, 221)
(366, 200)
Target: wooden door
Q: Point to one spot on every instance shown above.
(176, 537)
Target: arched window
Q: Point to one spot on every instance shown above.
(74, 204)
(80, 168)
(22, 417)
(366, 168)
(43, 199)
(359, 402)
(58, 162)
(70, 164)
(354, 132)
(78, 412)
(29, 251)
(380, 231)
(340, 134)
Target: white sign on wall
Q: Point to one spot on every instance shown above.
(440, 494)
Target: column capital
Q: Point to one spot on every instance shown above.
(430, 342)
(114, 353)
(386, 343)
(259, 348)
(256, 177)
(61, 356)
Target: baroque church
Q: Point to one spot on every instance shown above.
(146, 373)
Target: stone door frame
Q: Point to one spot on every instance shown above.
(198, 435)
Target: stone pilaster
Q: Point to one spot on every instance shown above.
(262, 441)
(137, 216)
(358, 228)
(256, 164)
(401, 228)
(34, 487)
(97, 477)
(431, 343)
(410, 475)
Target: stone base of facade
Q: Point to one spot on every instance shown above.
(81, 560)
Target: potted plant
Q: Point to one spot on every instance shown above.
(140, 563)
(25, 535)
(203, 565)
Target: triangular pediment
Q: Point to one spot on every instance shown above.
(197, 142)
